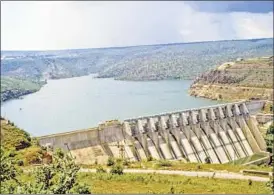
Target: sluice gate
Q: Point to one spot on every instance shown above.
(218, 134)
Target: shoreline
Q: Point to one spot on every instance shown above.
(18, 95)
(94, 76)
(229, 93)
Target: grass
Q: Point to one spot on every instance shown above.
(257, 174)
(19, 143)
(163, 184)
(156, 183)
(13, 137)
(263, 128)
(178, 165)
(249, 159)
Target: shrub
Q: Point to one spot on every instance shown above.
(149, 158)
(269, 138)
(270, 184)
(96, 162)
(12, 153)
(33, 155)
(56, 178)
(164, 163)
(110, 161)
(126, 162)
(100, 169)
(20, 162)
(249, 182)
(117, 169)
(207, 160)
(172, 190)
(119, 160)
(81, 189)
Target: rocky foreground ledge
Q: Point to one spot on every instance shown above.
(248, 79)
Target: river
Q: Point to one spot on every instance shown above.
(83, 102)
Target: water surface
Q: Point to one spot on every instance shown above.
(83, 102)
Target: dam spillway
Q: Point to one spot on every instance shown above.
(219, 134)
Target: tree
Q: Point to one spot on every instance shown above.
(110, 161)
(270, 138)
(59, 177)
(117, 169)
(207, 160)
(7, 168)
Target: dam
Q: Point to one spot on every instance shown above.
(219, 134)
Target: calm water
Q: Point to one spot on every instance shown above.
(82, 102)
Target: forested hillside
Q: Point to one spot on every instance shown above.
(171, 61)
(14, 88)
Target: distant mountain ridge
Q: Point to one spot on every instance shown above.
(166, 61)
(24, 72)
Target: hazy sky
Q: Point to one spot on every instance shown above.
(67, 25)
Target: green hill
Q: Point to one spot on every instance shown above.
(15, 87)
(21, 146)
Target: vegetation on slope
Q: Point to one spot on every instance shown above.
(24, 149)
(154, 62)
(270, 139)
(243, 79)
(59, 177)
(14, 87)
(12, 137)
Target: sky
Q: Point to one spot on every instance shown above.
(53, 25)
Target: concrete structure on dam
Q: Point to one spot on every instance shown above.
(220, 133)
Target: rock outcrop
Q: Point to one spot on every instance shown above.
(244, 79)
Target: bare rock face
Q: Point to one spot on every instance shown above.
(243, 79)
(219, 76)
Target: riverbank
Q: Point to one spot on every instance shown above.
(12, 88)
(14, 94)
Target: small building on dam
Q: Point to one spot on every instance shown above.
(219, 133)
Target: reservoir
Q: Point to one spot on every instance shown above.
(84, 102)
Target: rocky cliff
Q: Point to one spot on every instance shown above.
(243, 79)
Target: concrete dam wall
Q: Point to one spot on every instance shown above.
(220, 134)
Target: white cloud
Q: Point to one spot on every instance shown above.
(253, 25)
(62, 25)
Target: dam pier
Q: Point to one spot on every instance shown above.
(219, 134)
